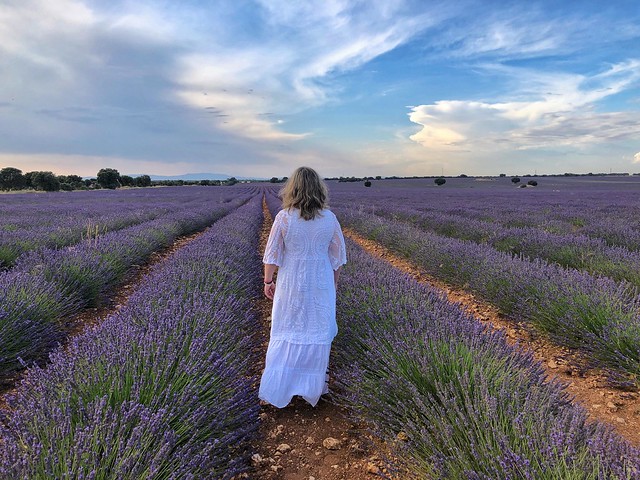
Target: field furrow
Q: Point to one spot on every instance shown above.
(303, 429)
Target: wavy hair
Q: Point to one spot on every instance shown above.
(306, 191)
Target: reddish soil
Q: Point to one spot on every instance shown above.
(301, 442)
(589, 387)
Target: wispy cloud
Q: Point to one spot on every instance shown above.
(286, 70)
(528, 30)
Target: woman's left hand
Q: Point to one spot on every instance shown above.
(270, 290)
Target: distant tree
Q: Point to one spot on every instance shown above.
(440, 181)
(11, 179)
(274, 180)
(533, 183)
(74, 179)
(143, 181)
(70, 182)
(515, 179)
(231, 181)
(127, 181)
(502, 175)
(109, 178)
(367, 183)
(462, 175)
(378, 177)
(205, 182)
(45, 181)
(28, 177)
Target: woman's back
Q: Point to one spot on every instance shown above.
(307, 240)
(307, 252)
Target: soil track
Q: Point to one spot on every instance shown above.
(589, 387)
(300, 442)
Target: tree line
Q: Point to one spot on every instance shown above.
(12, 178)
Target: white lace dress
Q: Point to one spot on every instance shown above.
(303, 318)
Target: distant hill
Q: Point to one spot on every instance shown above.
(193, 176)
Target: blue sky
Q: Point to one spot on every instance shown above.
(256, 88)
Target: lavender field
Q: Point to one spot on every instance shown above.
(165, 387)
(562, 257)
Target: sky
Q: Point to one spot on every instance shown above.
(351, 88)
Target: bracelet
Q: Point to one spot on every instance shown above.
(268, 283)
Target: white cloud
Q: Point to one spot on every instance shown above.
(529, 31)
(636, 158)
(560, 113)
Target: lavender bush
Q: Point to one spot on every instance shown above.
(453, 400)
(162, 389)
(273, 202)
(29, 308)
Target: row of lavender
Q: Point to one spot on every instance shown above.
(593, 314)
(610, 216)
(577, 251)
(454, 400)
(47, 285)
(57, 220)
(165, 388)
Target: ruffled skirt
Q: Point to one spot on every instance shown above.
(294, 369)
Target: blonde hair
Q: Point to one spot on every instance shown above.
(306, 191)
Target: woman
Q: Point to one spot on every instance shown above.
(307, 247)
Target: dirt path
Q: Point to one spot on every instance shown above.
(618, 408)
(300, 442)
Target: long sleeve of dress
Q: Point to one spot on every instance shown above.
(274, 252)
(337, 249)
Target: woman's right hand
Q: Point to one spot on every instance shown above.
(270, 290)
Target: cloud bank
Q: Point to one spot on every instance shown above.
(561, 112)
